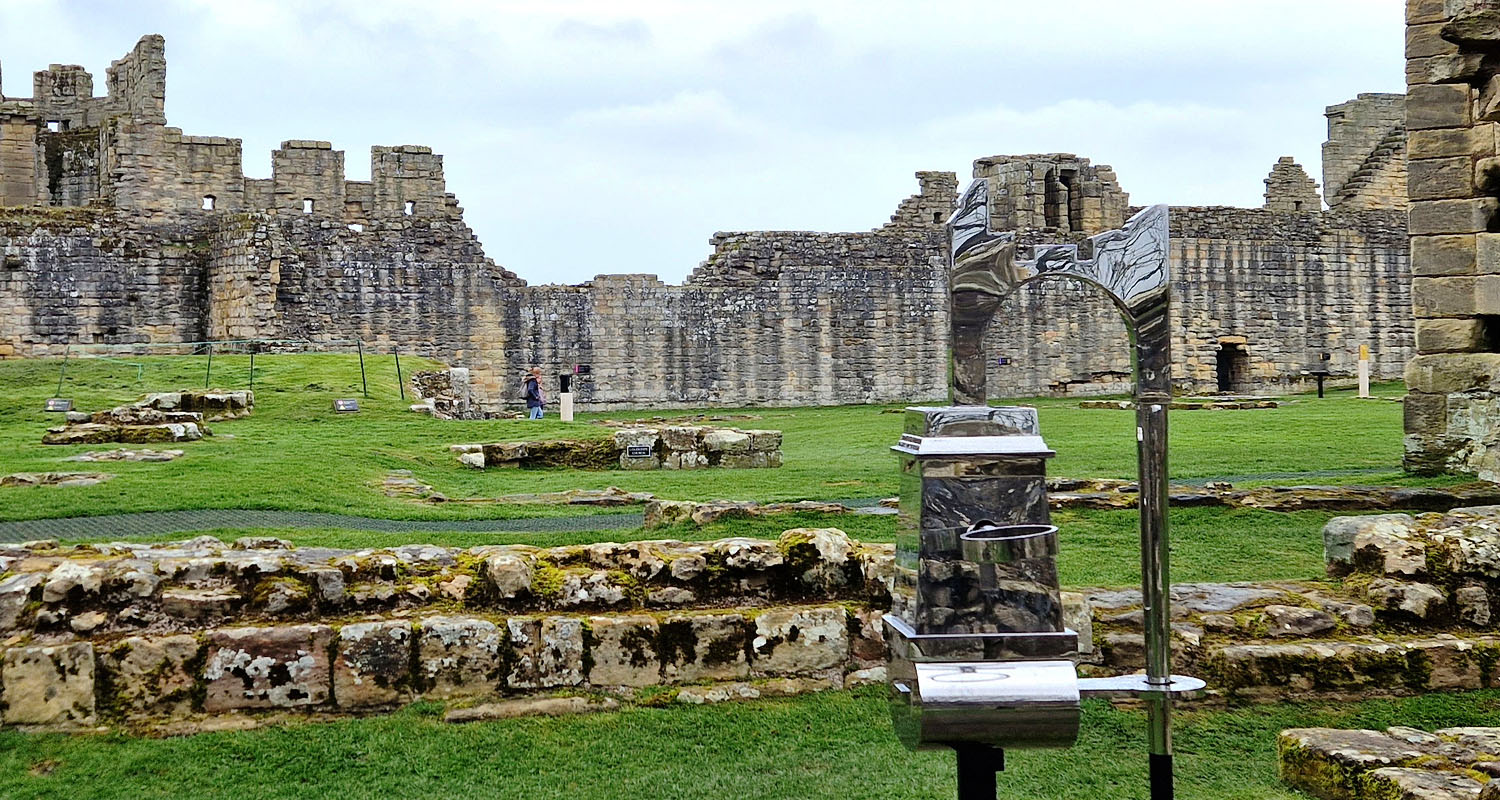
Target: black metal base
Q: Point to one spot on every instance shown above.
(1161, 776)
(977, 766)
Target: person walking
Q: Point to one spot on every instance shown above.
(535, 398)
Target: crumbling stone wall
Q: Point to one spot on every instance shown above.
(1289, 189)
(1364, 159)
(186, 247)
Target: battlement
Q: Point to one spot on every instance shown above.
(65, 147)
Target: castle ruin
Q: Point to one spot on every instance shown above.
(118, 229)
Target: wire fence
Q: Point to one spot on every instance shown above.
(224, 358)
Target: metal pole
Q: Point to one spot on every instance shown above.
(252, 367)
(1153, 398)
(400, 381)
(209, 371)
(63, 371)
(977, 766)
(360, 343)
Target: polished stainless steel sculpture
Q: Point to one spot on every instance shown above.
(972, 586)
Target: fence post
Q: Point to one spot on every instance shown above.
(360, 343)
(400, 381)
(63, 371)
(210, 369)
(252, 367)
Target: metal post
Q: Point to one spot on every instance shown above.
(360, 343)
(1151, 419)
(1320, 386)
(252, 367)
(210, 369)
(400, 381)
(63, 371)
(977, 766)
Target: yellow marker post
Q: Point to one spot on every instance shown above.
(1364, 370)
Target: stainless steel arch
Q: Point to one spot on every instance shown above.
(1131, 266)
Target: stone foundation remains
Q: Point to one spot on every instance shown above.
(676, 447)
(160, 417)
(121, 230)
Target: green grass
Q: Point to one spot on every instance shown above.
(835, 746)
(1099, 548)
(294, 453)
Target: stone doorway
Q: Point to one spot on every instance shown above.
(1232, 367)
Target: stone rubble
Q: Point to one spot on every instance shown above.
(634, 448)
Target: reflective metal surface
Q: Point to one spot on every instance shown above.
(1007, 544)
(1131, 266)
(1026, 704)
(1180, 687)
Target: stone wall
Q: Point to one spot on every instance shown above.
(190, 248)
(1290, 190)
(1453, 102)
(1364, 159)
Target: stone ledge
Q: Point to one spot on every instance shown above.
(1400, 762)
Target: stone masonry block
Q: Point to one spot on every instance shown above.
(704, 647)
(459, 657)
(1438, 106)
(545, 652)
(1487, 254)
(726, 442)
(1443, 297)
(1487, 294)
(283, 667)
(624, 651)
(1424, 11)
(1439, 178)
(152, 674)
(1449, 373)
(1425, 413)
(373, 666)
(1449, 335)
(1439, 256)
(49, 685)
(1451, 216)
(799, 640)
(1447, 142)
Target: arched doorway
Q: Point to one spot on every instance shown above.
(1232, 366)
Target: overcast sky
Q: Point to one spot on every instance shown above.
(586, 137)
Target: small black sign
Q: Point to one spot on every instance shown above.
(1004, 362)
(638, 451)
(346, 405)
(59, 404)
(583, 369)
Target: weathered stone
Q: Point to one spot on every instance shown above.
(1416, 599)
(373, 665)
(623, 652)
(1443, 297)
(799, 640)
(1330, 763)
(1293, 621)
(151, 675)
(72, 581)
(531, 707)
(1385, 544)
(726, 441)
(1440, 106)
(15, 591)
(704, 647)
(509, 574)
(1450, 335)
(51, 686)
(328, 585)
(284, 667)
(545, 652)
(1473, 604)
(200, 604)
(459, 657)
(472, 460)
(1440, 256)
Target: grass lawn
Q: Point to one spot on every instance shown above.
(294, 453)
(835, 745)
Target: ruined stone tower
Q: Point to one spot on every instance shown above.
(1289, 189)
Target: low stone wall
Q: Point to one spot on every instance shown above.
(1399, 762)
(674, 447)
(147, 633)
